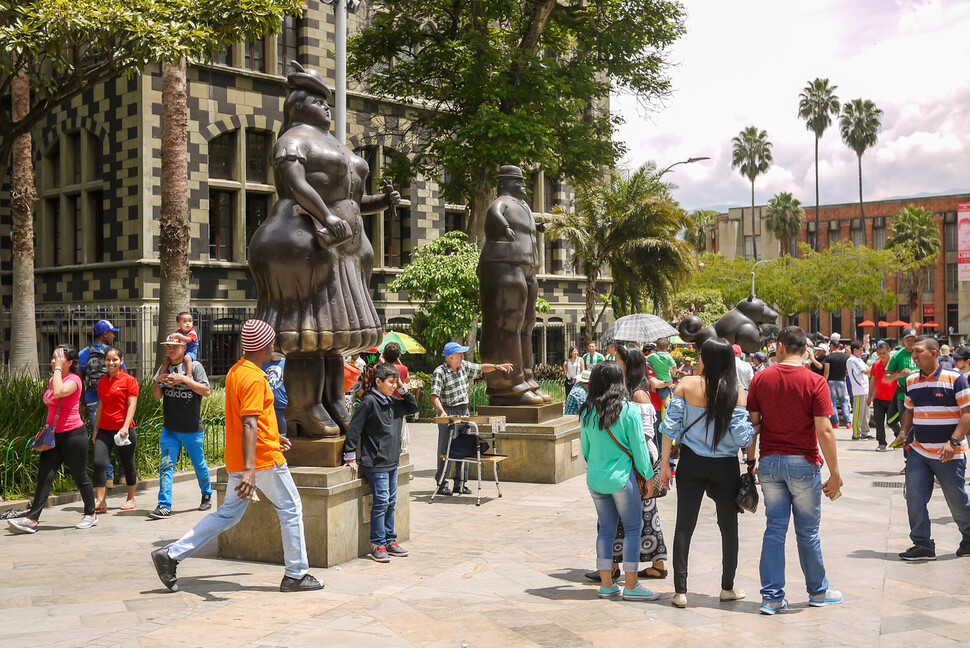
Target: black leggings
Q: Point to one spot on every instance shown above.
(883, 411)
(694, 474)
(70, 449)
(103, 445)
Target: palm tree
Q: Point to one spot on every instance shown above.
(784, 218)
(696, 233)
(916, 234)
(817, 104)
(859, 125)
(751, 155)
(629, 224)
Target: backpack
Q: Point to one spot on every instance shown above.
(95, 370)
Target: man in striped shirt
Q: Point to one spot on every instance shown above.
(936, 420)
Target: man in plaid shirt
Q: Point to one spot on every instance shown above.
(449, 393)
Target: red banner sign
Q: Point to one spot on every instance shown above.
(963, 240)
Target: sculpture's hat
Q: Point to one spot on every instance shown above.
(311, 81)
(510, 171)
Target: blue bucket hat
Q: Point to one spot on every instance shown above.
(454, 347)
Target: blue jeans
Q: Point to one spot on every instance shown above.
(625, 504)
(461, 410)
(791, 484)
(919, 488)
(840, 399)
(278, 487)
(383, 487)
(170, 443)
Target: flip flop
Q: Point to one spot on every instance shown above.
(103, 508)
(129, 505)
(643, 573)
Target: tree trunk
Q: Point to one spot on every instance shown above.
(754, 240)
(481, 197)
(173, 244)
(591, 273)
(862, 210)
(472, 340)
(817, 236)
(23, 328)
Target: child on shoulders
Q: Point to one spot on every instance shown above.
(187, 334)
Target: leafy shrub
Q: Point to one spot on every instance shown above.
(546, 371)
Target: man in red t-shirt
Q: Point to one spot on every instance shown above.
(790, 409)
(882, 395)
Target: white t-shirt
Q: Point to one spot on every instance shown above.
(574, 368)
(745, 372)
(858, 380)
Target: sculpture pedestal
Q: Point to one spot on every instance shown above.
(328, 453)
(541, 453)
(336, 517)
(523, 413)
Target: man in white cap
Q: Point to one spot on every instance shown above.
(91, 363)
(254, 456)
(578, 394)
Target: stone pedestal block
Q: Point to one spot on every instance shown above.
(336, 517)
(316, 452)
(541, 453)
(523, 413)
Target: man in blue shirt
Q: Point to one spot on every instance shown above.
(104, 336)
(577, 395)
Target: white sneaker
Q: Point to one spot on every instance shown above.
(22, 525)
(87, 522)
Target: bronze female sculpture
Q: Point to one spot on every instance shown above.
(312, 261)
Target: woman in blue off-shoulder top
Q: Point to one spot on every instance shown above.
(707, 418)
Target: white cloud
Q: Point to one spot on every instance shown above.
(744, 63)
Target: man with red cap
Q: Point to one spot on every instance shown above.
(254, 458)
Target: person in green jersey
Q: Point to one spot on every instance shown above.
(900, 365)
(663, 365)
(593, 356)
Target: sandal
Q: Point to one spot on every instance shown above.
(101, 508)
(643, 573)
(129, 505)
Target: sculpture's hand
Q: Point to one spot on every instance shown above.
(334, 231)
(393, 197)
(509, 234)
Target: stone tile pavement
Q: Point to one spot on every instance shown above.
(506, 574)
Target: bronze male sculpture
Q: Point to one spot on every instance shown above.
(312, 261)
(508, 291)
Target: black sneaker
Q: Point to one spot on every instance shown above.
(465, 490)
(964, 549)
(444, 490)
(919, 553)
(206, 502)
(160, 513)
(165, 568)
(595, 575)
(305, 584)
(394, 549)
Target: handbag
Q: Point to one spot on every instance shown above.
(747, 498)
(642, 482)
(44, 439)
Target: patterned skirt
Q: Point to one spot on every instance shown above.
(652, 546)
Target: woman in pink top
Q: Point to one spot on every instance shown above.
(71, 441)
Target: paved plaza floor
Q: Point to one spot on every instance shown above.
(508, 573)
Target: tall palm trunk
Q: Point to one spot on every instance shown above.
(815, 239)
(862, 210)
(23, 329)
(592, 274)
(173, 245)
(754, 239)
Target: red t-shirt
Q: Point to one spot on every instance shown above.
(655, 400)
(884, 390)
(113, 394)
(789, 397)
(401, 369)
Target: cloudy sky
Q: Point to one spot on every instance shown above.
(744, 63)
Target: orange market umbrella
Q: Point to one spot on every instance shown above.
(867, 324)
(883, 324)
(898, 323)
(930, 325)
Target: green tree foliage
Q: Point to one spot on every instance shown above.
(65, 48)
(706, 303)
(512, 82)
(784, 218)
(917, 239)
(629, 224)
(751, 156)
(817, 104)
(442, 279)
(859, 125)
(696, 233)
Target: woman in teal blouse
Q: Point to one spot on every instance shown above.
(610, 478)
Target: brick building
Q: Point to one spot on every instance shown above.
(98, 168)
(945, 299)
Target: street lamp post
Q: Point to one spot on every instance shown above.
(340, 9)
(690, 160)
(752, 274)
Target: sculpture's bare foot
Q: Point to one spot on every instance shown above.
(314, 423)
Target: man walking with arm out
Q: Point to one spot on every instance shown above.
(937, 416)
(790, 408)
(254, 458)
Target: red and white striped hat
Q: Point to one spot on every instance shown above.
(256, 334)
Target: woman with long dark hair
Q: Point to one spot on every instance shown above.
(118, 393)
(708, 420)
(70, 441)
(611, 436)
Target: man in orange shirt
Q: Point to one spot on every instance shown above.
(254, 458)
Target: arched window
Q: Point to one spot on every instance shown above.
(240, 190)
(71, 209)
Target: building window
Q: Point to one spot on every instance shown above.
(454, 221)
(74, 140)
(549, 187)
(555, 345)
(836, 323)
(950, 236)
(390, 233)
(549, 252)
(223, 55)
(257, 207)
(257, 156)
(97, 219)
(397, 238)
(254, 56)
(287, 44)
(222, 156)
(904, 312)
(952, 274)
(879, 238)
(220, 224)
(54, 164)
(54, 215)
(752, 244)
(928, 280)
(857, 236)
(75, 237)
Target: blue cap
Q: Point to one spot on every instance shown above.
(454, 347)
(103, 326)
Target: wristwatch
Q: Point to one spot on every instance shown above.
(956, 443)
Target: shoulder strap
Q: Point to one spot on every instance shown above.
(622, 447)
